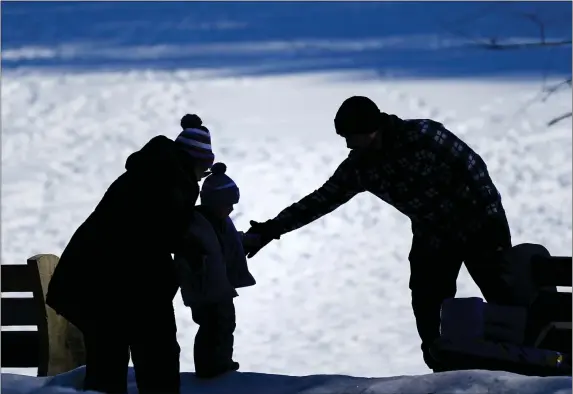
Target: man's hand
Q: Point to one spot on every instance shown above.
(258, 236)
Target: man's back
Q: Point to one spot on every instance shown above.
(430, 175)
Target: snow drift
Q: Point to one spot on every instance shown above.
(459, 382)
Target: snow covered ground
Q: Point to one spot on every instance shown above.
(466, 382)
(331, 298)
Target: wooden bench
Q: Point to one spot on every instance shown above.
(56, 346)
(552, 310)
(536, 276)
(552, 270)
(537, 340)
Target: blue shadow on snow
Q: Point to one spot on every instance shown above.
(262, 383)
(412, 39)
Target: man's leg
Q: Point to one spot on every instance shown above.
(154, 347)
(107, 359)
(433, 276)
(485, 262)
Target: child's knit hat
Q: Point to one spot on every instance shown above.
(218, 189)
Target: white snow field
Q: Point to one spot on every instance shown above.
(331, 298)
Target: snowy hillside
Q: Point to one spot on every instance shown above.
(302, 314)
(333, 297)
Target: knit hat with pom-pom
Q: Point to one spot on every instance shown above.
(218, 189)
(195, 139)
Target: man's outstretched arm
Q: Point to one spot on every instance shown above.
(337, 190)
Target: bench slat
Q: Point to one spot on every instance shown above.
(18, 312)
(552, 270)
(16, 278)
(552, 306)
(20, 349)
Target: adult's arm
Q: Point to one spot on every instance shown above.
(336, 191)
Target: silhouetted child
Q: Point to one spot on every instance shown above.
(210, 268)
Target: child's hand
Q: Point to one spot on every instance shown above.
(250, 242)
(265, 233)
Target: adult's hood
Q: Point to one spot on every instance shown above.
(161, 156)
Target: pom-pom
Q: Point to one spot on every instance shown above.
(191, 121)
(218, 168)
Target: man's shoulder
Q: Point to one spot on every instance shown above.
(353, 155)
(352, 161)
(423, 123)
(430, 128)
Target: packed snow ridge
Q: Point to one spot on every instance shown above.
(459, 382)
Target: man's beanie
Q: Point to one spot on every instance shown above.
(218, 189)
(196, 140)
(357, 115)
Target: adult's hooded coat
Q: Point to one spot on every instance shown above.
(121, 254)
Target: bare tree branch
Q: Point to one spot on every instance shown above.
(549, 90)
(560, 118)
(543, 96)
(533, 18)
(495, 45)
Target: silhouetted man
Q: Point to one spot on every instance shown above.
(436, 180)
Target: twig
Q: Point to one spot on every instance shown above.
(560, 118)
(552, 89)
(533, 18)
(493, 44)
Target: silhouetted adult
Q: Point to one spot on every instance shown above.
(115, 279)
(436, 180)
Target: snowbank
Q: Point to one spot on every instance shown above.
(459, 382)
